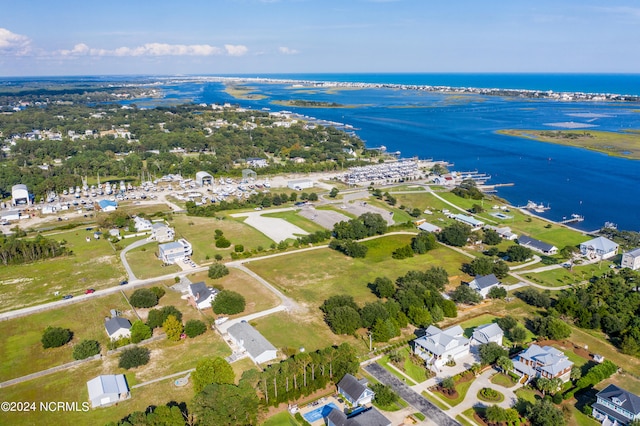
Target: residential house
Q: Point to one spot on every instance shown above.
(162, 233)
(504, 232)
(142, 224)
(599, 248)
(487, 333)
(537, 245)
(367, 417)
(616, 406)
(107, 205)
(355, 391)
(483, 283)
(249, 339)
(543, 361)
(171, 253)
(117, 328)
(437, 346)
(428, 227)
(201, 295)
(631, 259)
(474, 223)
(257, 162)
(107, 390)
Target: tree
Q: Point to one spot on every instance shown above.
(423, 242)
(544, 413)
(481, 266)
(507, 323)
(334, 192)
(497, 292)
(140, 331)
(491, 237)
(448, 383)
(403, 252)
(551, 327)
(158, 316)
(518, 253)
(134, 357)
(383, 330)
(504, 363)
(228, 302)
(85, 349)
(534, 297)
(336, 301)
(226, 404)
(518, 334)
(172, 328)
(194, 328)
(165, 416)
(212, 370)
(419, 316)
(370, 312)
(576, 373)
(383, 287)
(384, 395)
(217, 270)
(143, 298)
(500, 269)
(465, 294)
(343, 320)
(158, 291)
(313, 196)
(490, 352)
(455, 234)
(54, 337)
(222, 242)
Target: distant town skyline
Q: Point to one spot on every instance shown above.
(65, 37)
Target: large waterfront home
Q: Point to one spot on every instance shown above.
(599, 248)
(616, 406)
(546, 361)
(631, 259)
(437, 346)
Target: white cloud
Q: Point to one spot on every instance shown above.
(235, 50)
(14, 43)
(287, 51)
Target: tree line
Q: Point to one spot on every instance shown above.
(15, 250)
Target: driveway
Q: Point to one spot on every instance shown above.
(434, 415)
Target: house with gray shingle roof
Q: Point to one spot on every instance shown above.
(546, 361)
(201, 295)
(537, 245)
(117, 328)
(367, 417)
(616, 406)
(483, 283)
(437, 346)
(249, 339)
(355, 391)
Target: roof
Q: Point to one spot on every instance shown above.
(439, 341)
(203, 174)
(633, 253)
(19, 186)
(484, 281)
(426, 226)
(201, 290)
(486, 332)
(620, 397)
(107, 203)
(254, 342)
(537, 244)
(551, 359)
(367, 417)
(352, 387)
(158, 225)
(468, 219)
(602, 244)
(171, 246)
(116, 323)
(112, 383)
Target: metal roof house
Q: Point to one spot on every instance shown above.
(118, 327)
(616, 406)
(107, 205)
(487, 333)
(599, 248)
(631, 259)
(428, 227)
(201, 295)
(249, 339)
(537, 245)
(107, 390)
(170, 253)
(469, 220)
(545, 362)
(483, 283)
(366, 417)
(437, 346)
(355, 391)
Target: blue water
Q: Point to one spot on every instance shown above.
(319, 413)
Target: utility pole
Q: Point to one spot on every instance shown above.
(370, 342)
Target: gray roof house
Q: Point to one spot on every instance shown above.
(487, 333)
(599, 248)
(118, 327)
(537, 245)
(545, 362)
(631, 259)
(201, 295)
(437, 346)
(107, 389)
(616, 406)
(355, 391)
(367, 417)
(248, 338)
(483, 283)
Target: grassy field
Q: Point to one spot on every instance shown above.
(617, 144)
(295, 219)
(281, 419)
(417, 373)
(503, 380)
(93, 264)
(258, 297)
(563, 276)
(471, 324)
(145, 263)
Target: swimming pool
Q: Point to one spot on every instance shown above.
(319, 413)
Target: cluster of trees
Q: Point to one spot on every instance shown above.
(146, 297)
(172, 414)
(85, 349)
(258, 199)
(228, 302)
(420, 244)
(455, 234)
(468, 189)
(157, 317)
(485, 265)
(349, 247)
(217, 270)
(15, 250)
(595, 375)
(316, 237)
(346, 232)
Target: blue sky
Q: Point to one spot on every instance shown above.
(65, 37)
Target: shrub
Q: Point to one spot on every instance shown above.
(85, 349)
(140, 331)
(218, 270)
(158, 291)
(134, 357)
(222, 242)
(172, 328)
(194, 328)
(385, 396)
(228, 302)
(143, 298)
(54, 337)
(238, 248)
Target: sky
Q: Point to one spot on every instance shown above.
(115, 37)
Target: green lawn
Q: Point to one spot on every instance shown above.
(462, 388)
(145, 263)
(294, 218)
(528, 395)
(563, 276)
(469, 325)
(503, 380)
(436, 400)
(281, 419)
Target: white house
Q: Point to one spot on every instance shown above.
(546, 361)
(201, 295)
(107, 390)
(504, 232)
(483, 283)
(108, 205)
(142, 224)
(537, 245)
(171, 253)
(249, 339)
(487, 333)
(428, 227)
(616, 406)
(117, 328)
(631, 259)
(355, 391)
(437, 346)
(599, 248)
(162, 233)
(474, 223)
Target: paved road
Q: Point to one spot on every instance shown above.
(484, 381)
(123, 257)
(434, 414)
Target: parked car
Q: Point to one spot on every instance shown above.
(124, 282)
(89, 291)
(67, 296)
